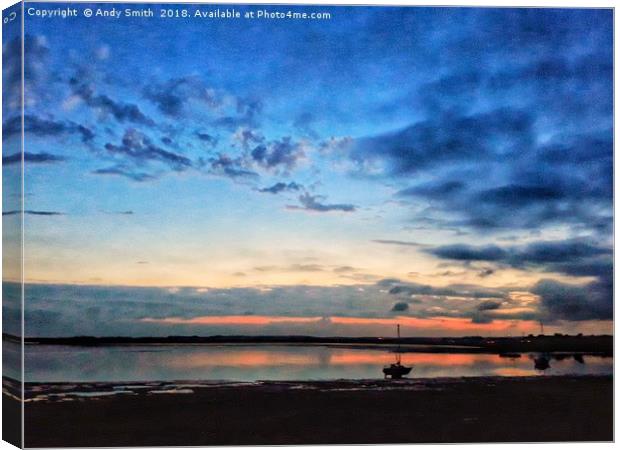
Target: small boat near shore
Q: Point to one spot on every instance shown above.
(542, 362)
(396, 370)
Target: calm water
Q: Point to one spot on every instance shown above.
(275, 362)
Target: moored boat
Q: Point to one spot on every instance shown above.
(396, 370)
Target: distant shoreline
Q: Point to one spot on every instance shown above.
(600, 345)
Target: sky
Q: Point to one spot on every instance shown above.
(448, 169)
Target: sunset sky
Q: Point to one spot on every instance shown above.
(449, 169)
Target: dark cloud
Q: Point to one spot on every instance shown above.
(43, 213)
(400, 307)
(572, 257)
(560, 251)
(562, 301)
(86, 133)
(488, 305)
(538, 187)
(481, 318)
(33, 213)
(396, 242)
(31, 158)
(248, 137)
(33, 124)
(172, 96)
(281, 187)
(397, 290)
(139, 149)
(206, 137)
(464, 252)
(515, 130)
(388, 282)
(44, 127)
(125, 172)
(486, 272)
(439, 189)
(409, 289)
(514, 195)
(122, 112)
(447, 138)
(229, 167)
(313, 203)
(278, 154)
(585, 268)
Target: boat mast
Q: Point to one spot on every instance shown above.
(398, 348)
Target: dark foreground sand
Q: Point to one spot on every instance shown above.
(449, 410)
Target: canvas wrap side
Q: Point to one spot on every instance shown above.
(12, 224)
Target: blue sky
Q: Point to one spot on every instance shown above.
(420, 164)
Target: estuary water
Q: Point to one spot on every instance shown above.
(57, 363)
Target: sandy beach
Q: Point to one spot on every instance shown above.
(490, 409)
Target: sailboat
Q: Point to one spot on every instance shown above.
(397, 370)
(542, 362)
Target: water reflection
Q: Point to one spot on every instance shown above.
(541, 362)
(281, 362)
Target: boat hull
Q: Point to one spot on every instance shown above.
(396, 371)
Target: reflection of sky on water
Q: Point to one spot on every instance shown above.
(253, 362)
(11, 360)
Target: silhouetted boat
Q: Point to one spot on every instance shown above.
(396, 370)
(541, 363)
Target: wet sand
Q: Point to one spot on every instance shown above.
(496, 409)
